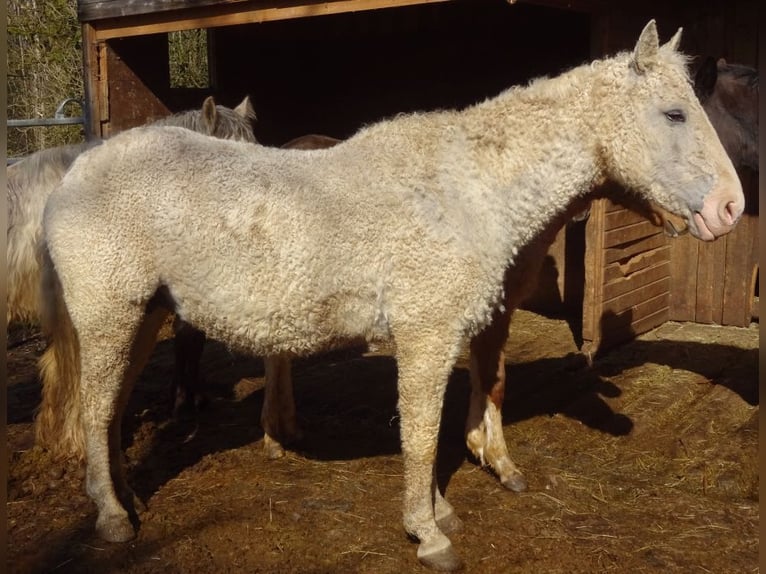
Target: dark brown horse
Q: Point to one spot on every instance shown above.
(729, 94)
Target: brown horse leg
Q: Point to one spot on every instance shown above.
(484, 426)
(278, 415)
(188, 346)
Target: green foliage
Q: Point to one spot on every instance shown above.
(187, 52)
(44, 68)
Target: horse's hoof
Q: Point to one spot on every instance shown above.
(442, 558)
(516, 482)
(450, 523)
(272, 449)
(115, 529)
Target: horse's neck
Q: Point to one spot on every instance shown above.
(543, 155)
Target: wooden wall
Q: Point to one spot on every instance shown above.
(716, 282)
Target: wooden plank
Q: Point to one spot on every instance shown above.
(234, 15)
(639, 295)
(649, 308)
(93, 74)
(630, 233)
(593, 296)
(636, 280)
(711, 262)
(683, 278)
(635, 314)
(741, 263)
(624, 252)
(623, 217)
(618, 270)
(742, 259)
(650, 322)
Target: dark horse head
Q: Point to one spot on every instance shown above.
(729, 95)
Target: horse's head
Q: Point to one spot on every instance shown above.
(225, 123)
(729, 95)
(655, 138)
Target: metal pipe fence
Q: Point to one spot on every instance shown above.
(59, 119)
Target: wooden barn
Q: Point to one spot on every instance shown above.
(330, 67)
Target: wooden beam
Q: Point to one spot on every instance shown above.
(233, 15)
(94, 71)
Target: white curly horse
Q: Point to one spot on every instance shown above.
(403, 232)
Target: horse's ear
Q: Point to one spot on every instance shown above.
(245, 109)
(209, 114)
(675, 42)
(645, 52)
(705, 78)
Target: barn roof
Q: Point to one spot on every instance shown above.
(95, 10)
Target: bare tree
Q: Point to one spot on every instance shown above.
(44, 68)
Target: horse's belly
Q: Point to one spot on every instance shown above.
(296, 325)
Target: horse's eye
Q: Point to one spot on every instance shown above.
(676, 116)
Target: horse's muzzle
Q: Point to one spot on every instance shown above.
(720, 212)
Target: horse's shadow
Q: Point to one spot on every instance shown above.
(347, 408)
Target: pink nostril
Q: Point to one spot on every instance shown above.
(731, 213)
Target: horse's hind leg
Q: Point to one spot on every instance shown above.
(142, 348)
(112, 354)
(484, 426)
(278, 415)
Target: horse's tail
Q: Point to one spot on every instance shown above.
(30, 182)
(24, 226)
(58, 426)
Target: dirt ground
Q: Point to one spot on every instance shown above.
(644, 462)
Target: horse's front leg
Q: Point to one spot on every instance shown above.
(423, 374)
(278, 418)
(484, 425)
